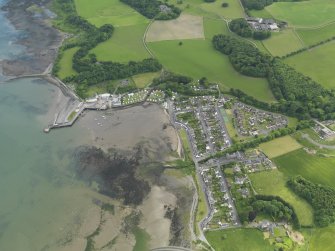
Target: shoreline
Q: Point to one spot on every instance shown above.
(41, 41)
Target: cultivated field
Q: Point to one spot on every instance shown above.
(184, 27)
(312, 167)
(282, 43)
(274, 183)
(65, 63)
(241, 239)
(279, 146)
(108, 12)
(313, 36)
(125, 45)
(198, 58)
(304, 13)
(317, 63)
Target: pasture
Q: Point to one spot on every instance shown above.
(279, 146)
(126, 44)
(315, 168)
(100, 12)
(283, 42)
(65, 63)
(214, 27)
(274, 183)
(316, 63)
(198, 58)
(313, 36)
(184, 27)
(304, 13)
(241, 239)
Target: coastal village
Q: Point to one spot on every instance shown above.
(205, 119)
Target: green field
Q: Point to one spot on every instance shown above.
(108, 12)
(279, 146)
(274, 183)
(320, 239)
(313, 36)
(305, 13)
(238, 240)
(213, 27)
(197, 59)
(143, 80)
(312, 167)
(283, 42)
(317, 63)
(65, 63)
(234, 10)
(125, 45)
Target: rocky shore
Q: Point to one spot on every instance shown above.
(40, 39)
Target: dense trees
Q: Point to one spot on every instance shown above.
(256, 4)
(320, 197)
(297, 94)
(154, 9)
(241, 27)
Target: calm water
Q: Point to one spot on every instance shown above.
(40, 200)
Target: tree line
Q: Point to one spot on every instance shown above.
(260, 4)
(154, 9)
(90, 70)
(321, 198)
(299, 95)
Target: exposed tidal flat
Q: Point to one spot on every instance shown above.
(54, 187)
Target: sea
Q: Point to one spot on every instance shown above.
(41, 200)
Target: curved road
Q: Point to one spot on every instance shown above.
(306, 136)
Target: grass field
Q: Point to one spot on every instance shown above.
(279, 146)
(320, 239)
(305, 13)
(312, 167)
(238, 240)
(283, 42)
(234, 10)
(65, 63)
(143, 80)
(274, 183)
(214, 27)
(260, 13)
(313, 36)
(184, 27)
(114, 12)
(125, 45)
(197, 59)
(317, 63)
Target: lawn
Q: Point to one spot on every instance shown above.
(125, 45)
(305, 13)
(313, 36)
(143, 80)
(238, 240)
(65, 63)
(186, 145)
(317, 63)
(113, 12)
(279, 146)
(198, 58)
(312, 167)
(274, 183)
(283, 42)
